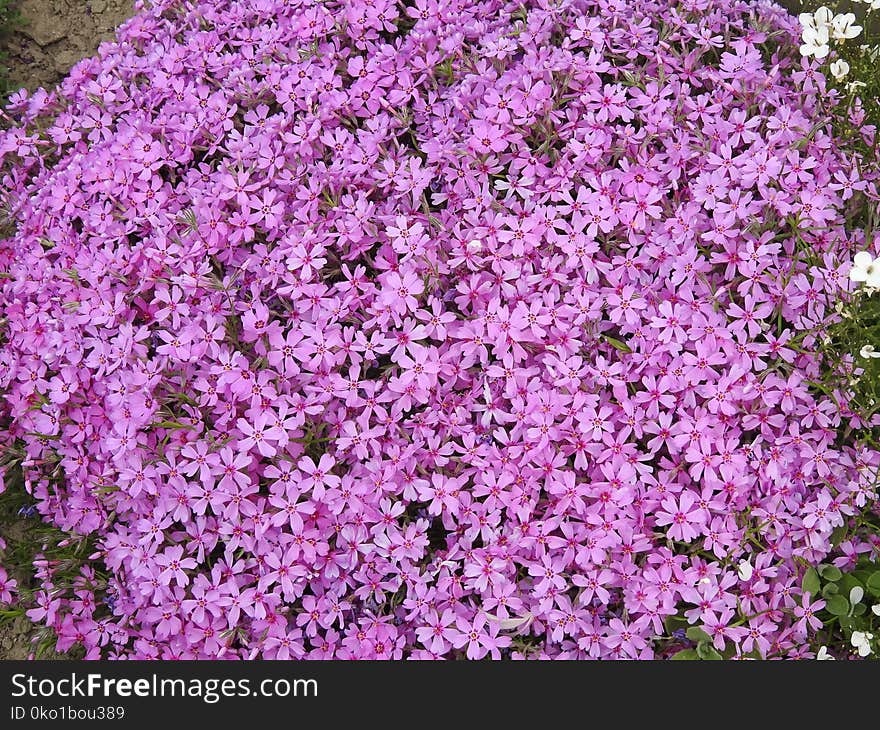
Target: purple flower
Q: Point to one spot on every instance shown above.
(436, 333)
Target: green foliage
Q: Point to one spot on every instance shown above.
(703, 651)
(702, 646)
(810, 582)
(28, 541)
(9, 20)
(852, 606)
(858, 325)
(850, 374)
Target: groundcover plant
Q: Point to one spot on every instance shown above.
(438, 330)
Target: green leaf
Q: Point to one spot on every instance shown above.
(829, 589)
(859, 609)
(695, 633)
(171, 424)
(837, 605)
(707, 651)
(847, 582)
(46, 436)
(862, 575)
(873, 584)
(830, 572)
(810, 584)
(617, 344)
(837, 535)
(673, 623)
(686, 655)
(184, 397)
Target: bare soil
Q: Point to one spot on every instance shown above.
(15, 638)
(55, 34)
(16, 633)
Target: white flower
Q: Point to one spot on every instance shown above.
(823, 654)
(865, 269)
(842, 27)
(856, 595)
(823, 16)
(813, 21)
(815, 32)
(861, 640)
(815, 42)
(475, 245)
(745, 569)
(839, 69)
(868, 351)
(872, 53)
(876, 609)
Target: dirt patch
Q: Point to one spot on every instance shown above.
(19, 638)
(15, 639)
(55, 34)
(16, 634)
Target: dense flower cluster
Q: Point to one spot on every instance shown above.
(464, 328)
